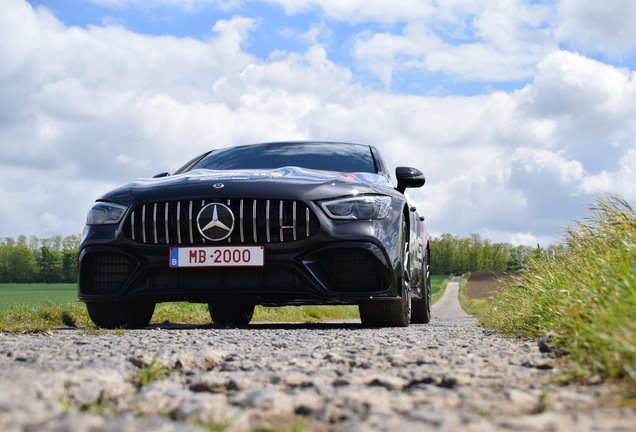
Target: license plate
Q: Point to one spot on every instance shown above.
(219, 256)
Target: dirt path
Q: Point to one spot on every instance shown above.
(448, 306)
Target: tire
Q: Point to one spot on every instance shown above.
(391, 313)
(422, 307)
(121, 314)
(231, 314)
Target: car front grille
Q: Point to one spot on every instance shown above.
(257, 221)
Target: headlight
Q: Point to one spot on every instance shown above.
(104, 213)
(361, 207)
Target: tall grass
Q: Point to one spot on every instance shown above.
(585, 297)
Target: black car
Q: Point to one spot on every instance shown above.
(285, 223)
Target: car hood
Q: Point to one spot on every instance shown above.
(281, 183)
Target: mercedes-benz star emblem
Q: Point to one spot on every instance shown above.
(218, 185)
(215, 221)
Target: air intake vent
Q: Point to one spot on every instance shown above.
(255, 222)
(105, 273)
(352, 270)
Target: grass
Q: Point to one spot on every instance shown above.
(41, 318)
(584, 297)
(34, 294)
(438, 286)
(195, 313)
(41, 307)
(154, 371)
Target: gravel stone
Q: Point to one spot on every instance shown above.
(447, 375)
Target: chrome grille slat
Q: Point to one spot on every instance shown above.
(257, 221)
(268, 235)
(254, 219)
(132, 225)
(179, 222)
(154, 222)
(294, 219)
(241, 223)
(190, 223)
(280, 220)
(165, 218)
(143, 223)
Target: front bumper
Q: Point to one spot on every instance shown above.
(320, 270)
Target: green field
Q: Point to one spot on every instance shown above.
(36, 294)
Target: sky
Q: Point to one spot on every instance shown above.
(519, 112)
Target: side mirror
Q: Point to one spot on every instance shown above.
(163, 174)
(409, 178)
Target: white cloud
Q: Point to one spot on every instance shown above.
(541, 163)
(361, 10)
(488, 41)
(569, 84)
(605, 27)
(622, 181)
(589, 108)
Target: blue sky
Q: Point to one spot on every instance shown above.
(519, 112)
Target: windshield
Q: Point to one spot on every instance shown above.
(326, 156)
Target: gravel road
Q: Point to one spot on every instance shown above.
(448, 375)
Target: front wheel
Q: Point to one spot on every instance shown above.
(392, 313)
(386, 313)
(422, 307)
(231, 314)
(121, 314)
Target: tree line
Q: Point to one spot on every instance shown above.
(457, 255)
(32, 259)
(54, 259)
